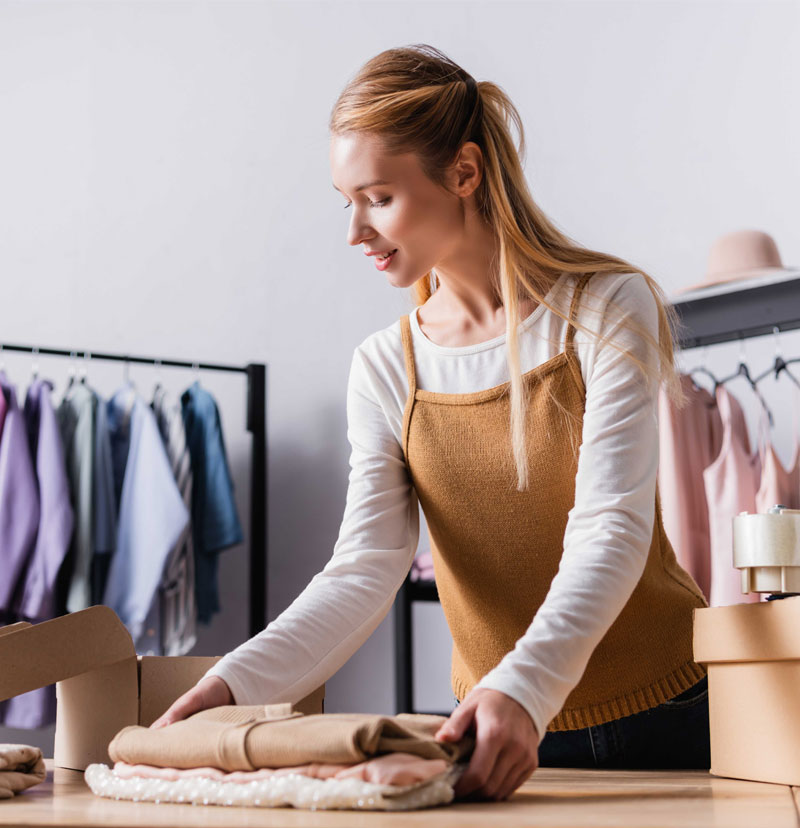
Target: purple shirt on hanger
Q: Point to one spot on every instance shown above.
(56, 518)
(19, 498)
(37, 600)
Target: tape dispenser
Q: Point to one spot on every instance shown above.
(766, 548)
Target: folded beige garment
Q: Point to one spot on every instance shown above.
(21, 767)
(247, 737)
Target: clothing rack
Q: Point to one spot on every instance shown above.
(256, 373)
(726, 313)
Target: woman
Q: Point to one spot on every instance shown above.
(517, 403)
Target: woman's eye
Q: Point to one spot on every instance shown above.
(382, 203)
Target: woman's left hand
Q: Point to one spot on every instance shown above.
(506, 749)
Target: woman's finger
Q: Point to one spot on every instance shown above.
(211, 691)
(488, 742)
(504, 771)
(522, 777)
(457, 724)
(184, 706)
(509, 783)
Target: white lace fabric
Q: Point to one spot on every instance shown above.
(292, 790)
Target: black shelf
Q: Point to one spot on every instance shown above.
(752, 308)
(409, 592)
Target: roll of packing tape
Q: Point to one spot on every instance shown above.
(766, 547)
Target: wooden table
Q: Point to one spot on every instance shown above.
(551, 797)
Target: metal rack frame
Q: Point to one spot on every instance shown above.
(256, 373)
(725, 313)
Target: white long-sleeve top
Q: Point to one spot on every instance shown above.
(608, 532)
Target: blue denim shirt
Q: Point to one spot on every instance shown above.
(215, 522)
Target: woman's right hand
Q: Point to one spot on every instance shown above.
(210, 691)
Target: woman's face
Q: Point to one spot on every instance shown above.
(408, 213)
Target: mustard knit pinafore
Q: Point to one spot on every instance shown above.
(495, 549)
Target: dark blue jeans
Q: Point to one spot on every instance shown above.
(673, 735)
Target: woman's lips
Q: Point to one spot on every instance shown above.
(382, 264)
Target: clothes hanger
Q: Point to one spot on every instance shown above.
(744, 371)
(35, 365)
(196, 381)
(157, 387)
(126, 375)
(780, 363)
(72, 370)
(701, 369)
(84, 371)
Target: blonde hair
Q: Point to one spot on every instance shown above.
(415, 99)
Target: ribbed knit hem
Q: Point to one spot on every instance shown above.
(646, 698)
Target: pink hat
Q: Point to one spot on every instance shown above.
(743, 254)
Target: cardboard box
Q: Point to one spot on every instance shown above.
(752, 652)
(102, 685)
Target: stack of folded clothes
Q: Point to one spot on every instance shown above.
(272, 756)
(21, 767)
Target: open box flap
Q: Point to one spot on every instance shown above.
(35, 655)
(90, 657)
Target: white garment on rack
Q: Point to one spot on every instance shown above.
(152, 514)
(608, 532)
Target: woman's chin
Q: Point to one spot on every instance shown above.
(401, 280)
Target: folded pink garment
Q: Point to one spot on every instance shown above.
(390, 769)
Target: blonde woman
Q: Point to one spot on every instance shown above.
(517, 404)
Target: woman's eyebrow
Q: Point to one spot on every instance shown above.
(364, 186)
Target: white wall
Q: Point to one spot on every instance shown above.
(166, 190)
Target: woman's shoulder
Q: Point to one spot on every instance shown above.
(606, 297)
(630, 285)
(379, 363)
(383, 344)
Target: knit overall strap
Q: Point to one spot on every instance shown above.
(569, 347)
(408, 351)
(411, 374)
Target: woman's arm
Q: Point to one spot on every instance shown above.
(344, 603)
(609, 529)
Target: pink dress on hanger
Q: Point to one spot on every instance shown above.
(731, 482)
(780, 485)
(689, 440)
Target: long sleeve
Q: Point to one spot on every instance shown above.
(609, 529)
(346, 601)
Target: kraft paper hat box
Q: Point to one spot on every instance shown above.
(752, 653)
(102, 685)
